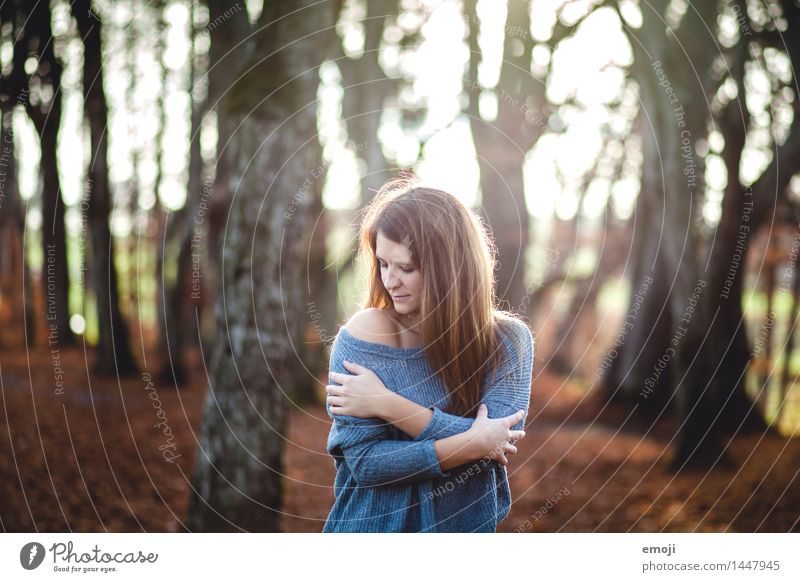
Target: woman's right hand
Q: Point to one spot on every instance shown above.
(493, 437)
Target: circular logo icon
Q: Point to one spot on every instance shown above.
(31, 555)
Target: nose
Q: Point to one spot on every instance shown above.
(390, 281)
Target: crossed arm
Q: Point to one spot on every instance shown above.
(374, 458)
(441, 441)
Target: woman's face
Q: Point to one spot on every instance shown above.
(399, 274)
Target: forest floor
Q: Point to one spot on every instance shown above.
(91, 458)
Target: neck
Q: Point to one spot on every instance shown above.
(412, 323)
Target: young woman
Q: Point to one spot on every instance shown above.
(430, 383)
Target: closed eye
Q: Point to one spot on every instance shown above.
(407, 269)
(404, 269)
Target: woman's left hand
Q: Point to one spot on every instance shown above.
(361, 394)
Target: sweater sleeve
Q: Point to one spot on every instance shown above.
(506, 390)
(366, 445)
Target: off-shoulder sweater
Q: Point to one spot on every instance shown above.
(387, 481)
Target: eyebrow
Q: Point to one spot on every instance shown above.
(401, 264)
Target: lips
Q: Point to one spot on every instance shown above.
(400, 297)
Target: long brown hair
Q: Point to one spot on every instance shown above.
(451, 247)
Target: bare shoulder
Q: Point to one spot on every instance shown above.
(374, 325)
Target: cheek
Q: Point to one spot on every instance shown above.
(415, 284)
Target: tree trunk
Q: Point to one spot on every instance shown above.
(366, 88)
(609, 263)
(744, 211)
(178, 317)
(665, 346)
(15, 291)
(237, 483)
(46, 117)
(163, 217)
(12, 212)
(54, 240)
(502, 145)
(319, 295)
(226, 53)
(787, 378)
(727, 343)
(113, 353)
(631, 377)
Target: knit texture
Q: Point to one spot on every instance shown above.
(387, 481)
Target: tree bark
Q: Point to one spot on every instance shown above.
(788, 378)
(366, 88)
(502, 145)
(46, 117)
(15, 275)
(237, 484)
(178, 317)
(744, 211)
(113, 353)
(729, 345)
(228, 50)
(663, 358)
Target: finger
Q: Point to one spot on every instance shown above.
(510, 449)
(517, 434)
(506, 446)
(515, 418)
(355, 368)
(339, 378)
(336, 410)
(335, 400)
(334, 390)
(483, 412)
(350, 365)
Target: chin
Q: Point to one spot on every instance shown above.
(404, 308)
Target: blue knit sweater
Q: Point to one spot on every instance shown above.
(389, 482)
